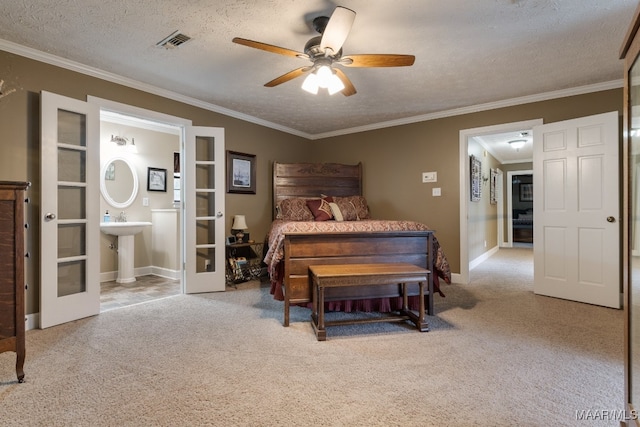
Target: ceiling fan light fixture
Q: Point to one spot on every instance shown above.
(324, 74)
(517, 144)
(335, 84)
(310, 84)
(324, 78)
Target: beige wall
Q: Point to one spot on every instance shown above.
(20, 142)
(393, 158)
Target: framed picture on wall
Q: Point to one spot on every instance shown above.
(492, 187)
(476, 178)
(526, 192)
(156, 179)
(241, 173)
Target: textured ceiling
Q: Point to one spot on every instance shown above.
(467, 52)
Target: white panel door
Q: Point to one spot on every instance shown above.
(69, 225)
(204, 169)
(576, 210)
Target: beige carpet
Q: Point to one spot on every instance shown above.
(496, 355)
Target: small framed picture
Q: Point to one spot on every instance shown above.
(156, 179)
(231, 240)
(526, 192)
(241, 173)
(110, 173)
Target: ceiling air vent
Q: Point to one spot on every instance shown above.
(176, 39)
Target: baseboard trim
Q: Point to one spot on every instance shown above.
(109, 276)
(482, 258)
(166, 272)
(32, 321)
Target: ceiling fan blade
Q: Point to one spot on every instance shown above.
(288, 76)
(269, 47)
(349, 89)
(377, 60)
(337, 29)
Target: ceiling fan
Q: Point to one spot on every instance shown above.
(325, 51)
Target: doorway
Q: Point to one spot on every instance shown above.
(145, 143)
(70, 285)
(520, 206)
(489, 138)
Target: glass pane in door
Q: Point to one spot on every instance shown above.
(204, 261)
(71, 165)
(71, 278)
(72, 240)
(205, 149)
(71, 202)
(205, 204)
(72, 128)
(72, 210)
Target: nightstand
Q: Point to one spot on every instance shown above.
(244, 262)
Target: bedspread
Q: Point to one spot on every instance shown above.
(275, 253)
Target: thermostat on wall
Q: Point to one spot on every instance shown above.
(429, 176)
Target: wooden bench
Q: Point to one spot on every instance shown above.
(354, 275)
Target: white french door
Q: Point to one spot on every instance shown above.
(69, 224)
(70, 165)
(577, 210)
(204, 167)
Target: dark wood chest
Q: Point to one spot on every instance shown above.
(12, 320)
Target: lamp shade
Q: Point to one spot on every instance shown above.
(239, 223)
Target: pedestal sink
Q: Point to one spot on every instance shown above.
(125, 232)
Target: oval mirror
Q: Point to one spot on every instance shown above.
(119, 182)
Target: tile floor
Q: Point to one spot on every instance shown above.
(145, 288)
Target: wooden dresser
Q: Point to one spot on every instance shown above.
(12, 328)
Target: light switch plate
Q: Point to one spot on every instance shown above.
(436, 192)
(429, 176)
(145, 201)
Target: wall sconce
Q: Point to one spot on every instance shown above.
(122, 141)
(238, 227)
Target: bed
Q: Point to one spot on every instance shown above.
(297, 240)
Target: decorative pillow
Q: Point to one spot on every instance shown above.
(360, 203)
(347, 209)
(335, 210)
(294, 209)
(320, 209)
(353, 207)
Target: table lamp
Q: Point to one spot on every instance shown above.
(238, 227)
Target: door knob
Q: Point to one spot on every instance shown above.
(49, 216)
(219, 214)
(611, 219)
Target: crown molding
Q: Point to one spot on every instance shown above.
(57, 61)
(563, 93)
(47, 58)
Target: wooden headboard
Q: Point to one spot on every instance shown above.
(310, 180)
